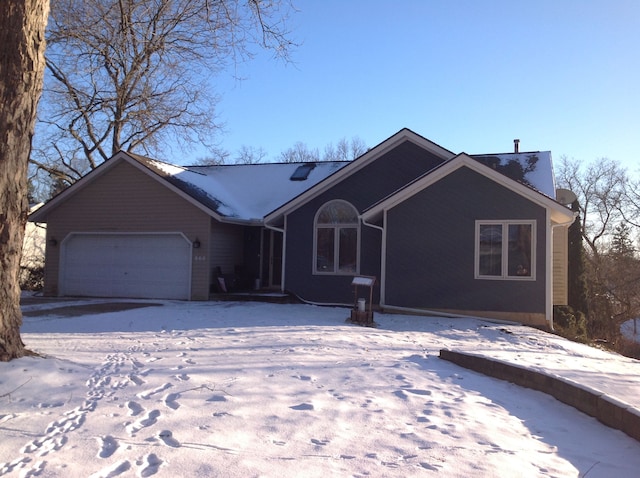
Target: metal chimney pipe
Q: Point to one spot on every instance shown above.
(516, 145)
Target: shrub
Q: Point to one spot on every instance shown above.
(570, 324)
(31, 278)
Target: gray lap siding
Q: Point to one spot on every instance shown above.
(430, 251)
(362, 189)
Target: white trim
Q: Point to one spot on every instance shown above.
(548, 293)
(549, 266)
(357, 164)
(158, 178)
(69, 236)
(383, 263)
(336, 240)
(40, 215)
(505, 249)
(283, 231)
(284, 256)
(559, 213)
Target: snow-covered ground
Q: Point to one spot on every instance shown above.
(206, 389)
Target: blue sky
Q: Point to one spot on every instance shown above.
(470, 75)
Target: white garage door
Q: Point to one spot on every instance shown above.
(154, 266)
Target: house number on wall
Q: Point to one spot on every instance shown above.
(199, 258)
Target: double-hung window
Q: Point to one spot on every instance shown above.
(336, 239)
(505, 250)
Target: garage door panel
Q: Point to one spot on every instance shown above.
(127, 265)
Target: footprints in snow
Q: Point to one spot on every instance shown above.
(134, 408)
(149, 393)
(317, 442)
(144, 418)
(108, 445)
(167, 438)
(150, 465)
(171, 401)
(116, 372)
(302, 406)
(147, 420)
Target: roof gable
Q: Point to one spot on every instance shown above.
(265, 192)
(559, 213)
(228, 193)
(41, 214)
(356, 165)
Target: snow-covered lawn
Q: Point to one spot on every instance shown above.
(248, 389)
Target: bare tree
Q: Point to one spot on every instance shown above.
(300, 153)
(135, 74)
(22, 27)
(632, 213)
(250, 155)
(601, 188)
(607, 206)
(619, 272)
(345, 150)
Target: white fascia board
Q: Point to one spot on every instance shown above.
(559, 213)
(191, 200)
(155, 176)
(548, 290)
(41, 214)
(356, 165)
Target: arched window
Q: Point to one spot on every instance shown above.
(336, 239)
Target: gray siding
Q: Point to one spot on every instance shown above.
(124, 199)
(431, 244)
(374, 182)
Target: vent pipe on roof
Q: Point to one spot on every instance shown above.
(516, 145)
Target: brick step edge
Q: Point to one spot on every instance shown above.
(595, 403)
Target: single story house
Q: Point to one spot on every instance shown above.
(478, 235)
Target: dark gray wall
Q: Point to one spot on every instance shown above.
(431, 243)
(362, 189)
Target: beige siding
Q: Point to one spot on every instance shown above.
(560, 265)
(226, 246)
(124, 199)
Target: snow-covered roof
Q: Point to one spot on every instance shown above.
(248, 192)
(530, 177)
(245, 192)
(533, 169)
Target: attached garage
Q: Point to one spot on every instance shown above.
(133, 265)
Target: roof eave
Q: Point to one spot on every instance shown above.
(134, 160)
(357, 164)
(41, 214)
(559, 213)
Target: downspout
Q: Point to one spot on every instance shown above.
(549, 293)
(383, 251)
(284, 249)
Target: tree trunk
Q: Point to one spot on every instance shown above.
(22, 27)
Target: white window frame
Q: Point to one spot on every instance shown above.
(505, 249)
(336, 241)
